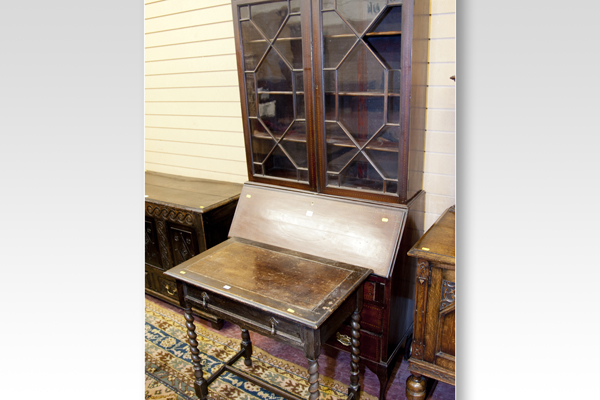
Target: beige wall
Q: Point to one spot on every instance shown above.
(193, 118)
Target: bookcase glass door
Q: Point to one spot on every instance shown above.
(271, 38)
(361, 66)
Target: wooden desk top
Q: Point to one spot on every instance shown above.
(297, 286)
(438, 243)
(200, 195)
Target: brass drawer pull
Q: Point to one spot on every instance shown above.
(274, 323)
(174, 291)
(343, 339)
(204, 298)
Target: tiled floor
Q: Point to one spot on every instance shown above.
(332, 363)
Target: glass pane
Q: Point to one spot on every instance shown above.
(330, 107)
(254, 45)
(340, 149)
(394, 81)
(360, 174)
(251, 95)
(362, 116)
(295, 6)
(268, 17)
(244, 12)
(390, 21)
(328, 5)
(338, 157)
(294, 143)
(338, 39)
(262, 143)
(329, 81)
(361, 72)
(303, 175)
(387, 139)
(387, 48)
(393, 110)
(360, 14)
(258, 169)
(391, 187)
(333, 180)
(335, 135)
(296, 151)
(297, 133)
(300, 107)
(299, 75)
(276, 111)
(289, 42)
(385, 161)
(273, 74)
(279, 165)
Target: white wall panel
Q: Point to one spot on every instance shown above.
(194, 94)
(200, 108)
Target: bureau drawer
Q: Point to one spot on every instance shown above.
(370, 344)
(260, 321)
(371, 318)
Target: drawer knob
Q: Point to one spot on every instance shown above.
(274, 323)
(343, 339)
(204, 298)
(168, 291)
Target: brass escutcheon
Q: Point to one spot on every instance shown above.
(343, 339)
(171, 293)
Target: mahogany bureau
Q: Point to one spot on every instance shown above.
(293, 268)
(433, 348)
(183, 217)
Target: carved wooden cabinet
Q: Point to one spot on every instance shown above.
(333, 99)
(433, 347)
(183, 217)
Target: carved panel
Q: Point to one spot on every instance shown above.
(163, 244)
(183, 244)
(448, 293)
(170, 214)
(152, 253)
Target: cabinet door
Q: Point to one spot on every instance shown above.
(359, 66)
(274, 68)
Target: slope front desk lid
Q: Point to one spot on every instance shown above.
(366, 234)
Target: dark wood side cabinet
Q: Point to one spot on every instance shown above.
(183, 217)
(333, 100)
(433, 347)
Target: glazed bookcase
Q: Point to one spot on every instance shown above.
(333, 94)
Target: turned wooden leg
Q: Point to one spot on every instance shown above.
(313, 379)
(354, 387)
(200, 385)
(416, 386)
(247, 347)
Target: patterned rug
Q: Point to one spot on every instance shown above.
(169, 371)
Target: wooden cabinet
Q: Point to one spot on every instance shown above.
(433, 347)
(183, 217)
(333, 99)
